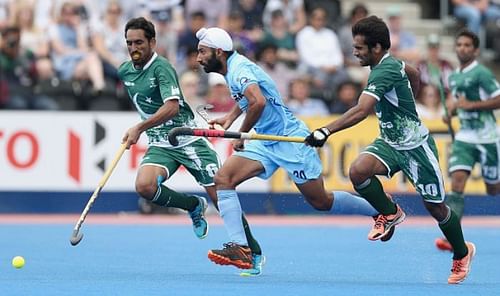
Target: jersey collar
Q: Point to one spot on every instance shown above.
(469, 67)
(155, 55)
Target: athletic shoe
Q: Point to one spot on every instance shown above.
(443, 244)
(257, 262)
(384, 224)
(389, 235)
(461, 267)
(200, 225)
(232, 254)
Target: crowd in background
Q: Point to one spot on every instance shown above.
(63, 55)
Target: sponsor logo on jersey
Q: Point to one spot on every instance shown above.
(372, 87)
(152, 82)
(129, 83)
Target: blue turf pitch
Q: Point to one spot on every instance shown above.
(169, 260)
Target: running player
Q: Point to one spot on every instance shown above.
(475, 94)
(256, 95)
(153, 86)
(404, 143)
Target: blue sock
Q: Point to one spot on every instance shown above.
(349, 204)
(230, 211)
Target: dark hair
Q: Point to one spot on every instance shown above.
(10, 30)
(198, 14)
(359, 8)
(469, 34)
(141, 23)
(374, 30)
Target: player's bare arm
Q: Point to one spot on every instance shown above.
(465, 104)
(353, 116)
(256, 104)
(165, 113)
(227, 120)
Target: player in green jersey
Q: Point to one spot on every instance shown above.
(404, 143)
(475, 93)
(153, 86)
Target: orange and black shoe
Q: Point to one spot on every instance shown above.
(232, 254)
(389, 235)
(461, 267)
(384, 225)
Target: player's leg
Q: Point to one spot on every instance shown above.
(490, 166)
(235, 170)
(377, 159)
(253, 244)
(157, 166)
(462, 159)
(423, 171)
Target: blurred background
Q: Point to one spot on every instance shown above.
(64, 110)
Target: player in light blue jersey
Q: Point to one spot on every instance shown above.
(257, 96)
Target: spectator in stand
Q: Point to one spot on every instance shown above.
(218, 93)
(33, 39)
(107, 38)
(279, 35)
(320, 53)
(71, 53)
(433, 68)
(191, 65)
(346, 97)
(187, 39)
(403, 43)
(166, 36)
(189, 82)
(18, 75)
(300, 102)
(241, 39)
(474, 12)
(216, 11)
(252, 10)
(428, 103)
(354, 68)
(293, 10)
(280, 72)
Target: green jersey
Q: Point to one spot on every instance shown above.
(399, 124)
(476, 83)
(149, 88)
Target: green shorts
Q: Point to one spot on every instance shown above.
(199, 158)
(420, 165)
(465, 155)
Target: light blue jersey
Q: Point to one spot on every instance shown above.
(301, 162)
(276, 119)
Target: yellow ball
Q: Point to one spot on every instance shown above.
(18, 261)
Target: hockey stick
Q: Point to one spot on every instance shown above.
(199, 132)
(446, 113)
(202, 111)
(77, 236)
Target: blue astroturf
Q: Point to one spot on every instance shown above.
(305, 260)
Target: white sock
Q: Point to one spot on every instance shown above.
(230, 211)
(346, 203)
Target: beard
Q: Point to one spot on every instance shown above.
(213, 64)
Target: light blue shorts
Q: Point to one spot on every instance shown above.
(301, 162)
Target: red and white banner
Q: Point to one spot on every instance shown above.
(69, 151)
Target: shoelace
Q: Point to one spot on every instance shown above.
(196, 217)
(457, 266)
(229, 245)
(380, 222)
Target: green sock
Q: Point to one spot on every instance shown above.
(452, 230)
(456, 201)
(168, 198)
(372, 191)
(252, 243)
